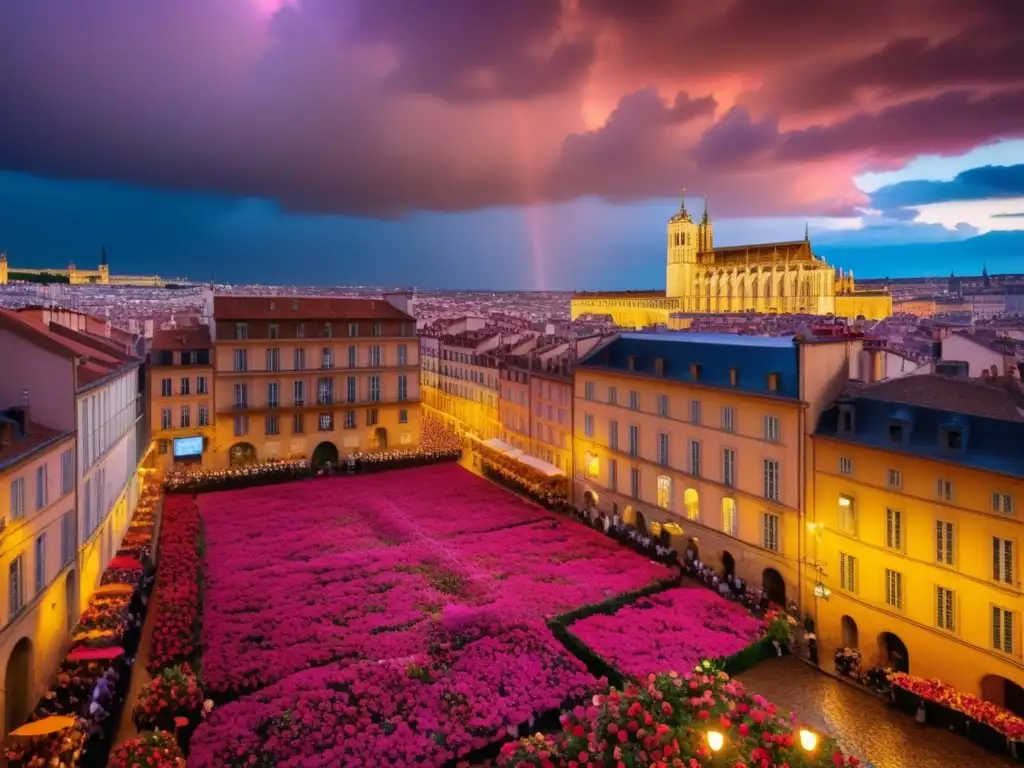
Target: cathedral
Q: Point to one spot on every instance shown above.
(781, 278)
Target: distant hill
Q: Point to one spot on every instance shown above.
(999, 252)
(46, 278)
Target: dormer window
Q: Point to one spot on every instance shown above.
(659, 366)
(773, 382)
(896, 432)
(952, 438)
(846, 422)
(695, 371)
(631, 363)
(734, 377)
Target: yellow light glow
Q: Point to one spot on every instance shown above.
(844, 501)
(716, 741)
(808, 740)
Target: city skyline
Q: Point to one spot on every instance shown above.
(373, 143)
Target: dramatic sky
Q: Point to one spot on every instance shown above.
(506, 143)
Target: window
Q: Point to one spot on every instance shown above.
(403, 387)
(372, 417)
(326, 358)
(378, 329)
(944, 542)
(202, 387)
(773, 382)
(588, 425)
(896, 432)
(273, 394)
(273, 359)
(67, 472)
(67, 538)
(183, 386)
(1002, 629)
(40, 562)
(299, 392)
(613, 435)
(634, 400)
(375, 389)
(41, 494)
(328, 331)
(695, 458)
(634, 440)
(241, 331)
(588, 390)
(613, 396)
(241, 396)
(375, 356)
(664, 492)
(695, 411)
(695, 371)
(403, 356)
(771, 429)
(634, 482)
(16, 586)
(241, 360)
(845, 465)
(1002, 560)
(166, 388)
(894, 479)
(848, 572)
(613, 474)
(166, 418)
(729, 516)
(325, 391)
(298, 423)
(944, 489)
(770, 531)
(945, 605)
(728, 419)
(300, 328)
(204, 416)
(894, 529)
(350, 389)
(241, 426)
(663, 449)
(847, 515)
(659, 366)
(17, 499)
(273, 331)
(353, 329)
(352, 356)
(270, 425)
(663, 405)
(1002, 503)
(845, 419)
(728, 467)
(734, 377)
(350, 419)
(894, 589)
(403, 416)
(772, 481)
(186, 417)
(326, 422)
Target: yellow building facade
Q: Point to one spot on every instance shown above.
(315, 378)
(38, 552)
(916, 530)
(180, 393)
(782, 277)
(468, 384)
(708, 432)
(99, 276)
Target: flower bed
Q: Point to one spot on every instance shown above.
(345, 569)
(1002, 721)
(174, 693)
(176, 594)
(665, 722)
(676, 629)
(154, 749)
(477, 679)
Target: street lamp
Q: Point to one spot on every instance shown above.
(715, 741)
(808, 740)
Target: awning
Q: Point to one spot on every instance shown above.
(124, 563)
(544, 467)
(113, 590)
(85, 653)
(48, 725)
(499, 445)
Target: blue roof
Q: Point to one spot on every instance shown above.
(717, 354)
(990, 444)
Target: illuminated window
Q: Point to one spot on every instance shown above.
(729, 516)
(691, 500)
(593, 465)
(664, 492)
(847, 515)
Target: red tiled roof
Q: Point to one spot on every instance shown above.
(996, 400)
(180, 339)
(22, 445)
(243, 308)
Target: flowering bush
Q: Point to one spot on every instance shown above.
(778, 625)
(1001, 720)
(675, 629)
(344, 569)
(175, 692)
(665, 721)
(479, 679)
(176, 594)
(154, 749)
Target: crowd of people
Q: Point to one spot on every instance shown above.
(88, 693)
(195, 479)
(548, 492)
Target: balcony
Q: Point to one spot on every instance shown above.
(333, 404)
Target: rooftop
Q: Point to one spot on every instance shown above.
(181, 339)
(16, 445)
(718, 339)
(991, 400)
(245, 308)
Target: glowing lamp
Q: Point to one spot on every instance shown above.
(715, 741)
(808, 740)
(844, 501)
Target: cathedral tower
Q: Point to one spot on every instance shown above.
(705, 232)
(683, 246)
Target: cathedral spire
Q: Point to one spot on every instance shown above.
(704, 219)
(807, 232)
(682, 201)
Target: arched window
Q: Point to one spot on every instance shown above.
(691, 500)
(729, 516)
(664, 492)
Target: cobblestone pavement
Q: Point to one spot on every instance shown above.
(862, 723)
